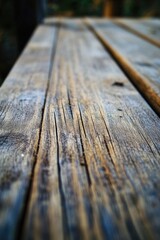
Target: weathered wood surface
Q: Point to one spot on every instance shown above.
(88, 163)
(139, 59)
(98, 161)
(149, 29)
(22, 98)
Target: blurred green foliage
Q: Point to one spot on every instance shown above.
(141, 8)
(134, 8)
(75, 8)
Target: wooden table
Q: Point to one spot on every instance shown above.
(80, 133)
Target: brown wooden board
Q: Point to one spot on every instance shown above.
(138, 58)
(149, 29)
(98, 164)
(22, 99)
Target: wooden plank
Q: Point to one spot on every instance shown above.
(97, 173)
(22, 98)
(138, 58)
(148, 29)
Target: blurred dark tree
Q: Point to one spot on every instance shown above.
(18, 19)
(28, 13)
(112, 8)
(8, 41)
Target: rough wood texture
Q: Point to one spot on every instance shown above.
(139, 59)
(22, 98)
(149, 29)
(97, 169)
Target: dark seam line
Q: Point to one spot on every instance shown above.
(61, 191)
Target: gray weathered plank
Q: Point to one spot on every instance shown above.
(149, 29)
(97, 171)
(138, 58)
(22, 98)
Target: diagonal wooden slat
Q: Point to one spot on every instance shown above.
(138, 58)
(22, 99)
(149, 29)
(97, 169)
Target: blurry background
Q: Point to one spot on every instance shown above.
(18, 18)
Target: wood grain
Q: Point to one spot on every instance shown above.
(138, 58)
(97, 170)
(22, 98)
(148, 29)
